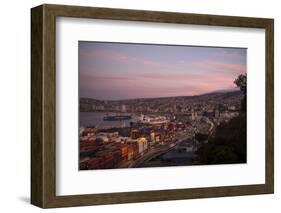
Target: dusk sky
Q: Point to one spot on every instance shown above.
(114, 71)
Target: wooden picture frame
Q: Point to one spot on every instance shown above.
(43, 105)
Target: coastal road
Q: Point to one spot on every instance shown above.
(158, 151)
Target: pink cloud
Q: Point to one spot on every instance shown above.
(190, 76)
(230, 68)
(156, 85)
(119, 57)
(237, 68)
(160, 78)
(105, 54)
(113, 78)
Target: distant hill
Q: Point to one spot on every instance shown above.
(219, 97)
(214, 94)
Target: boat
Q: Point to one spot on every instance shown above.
(117, 117)
(153, 119)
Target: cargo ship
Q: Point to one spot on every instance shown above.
(117, 117)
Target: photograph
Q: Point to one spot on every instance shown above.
(161, 105)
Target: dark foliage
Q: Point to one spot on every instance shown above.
(241, 82)
(228, 145)
(244, 104)
(201, 137)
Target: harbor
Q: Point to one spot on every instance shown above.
(122, 140)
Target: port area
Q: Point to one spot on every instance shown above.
(108, 150)
(137, 140)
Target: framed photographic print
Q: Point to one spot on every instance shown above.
(137, 106)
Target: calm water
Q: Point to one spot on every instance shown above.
(88, 119)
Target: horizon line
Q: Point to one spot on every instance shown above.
(215, 91)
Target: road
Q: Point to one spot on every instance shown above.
(158, 151)
(211, 126)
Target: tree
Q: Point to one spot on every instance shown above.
(241, 82)
(201, 137)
